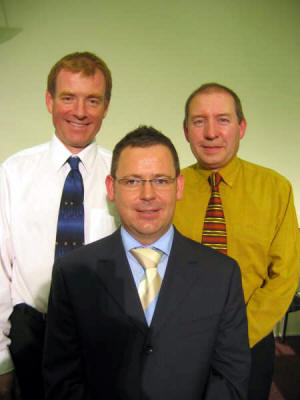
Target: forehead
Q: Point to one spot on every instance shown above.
(215, 101)
(152, 160)
(78, 80)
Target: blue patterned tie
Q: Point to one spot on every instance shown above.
(70, 225)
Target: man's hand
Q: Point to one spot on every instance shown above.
(6, 381)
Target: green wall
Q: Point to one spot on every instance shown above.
(159, 51)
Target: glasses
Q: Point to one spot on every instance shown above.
(136, 183)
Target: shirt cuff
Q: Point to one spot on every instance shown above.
(6, 363)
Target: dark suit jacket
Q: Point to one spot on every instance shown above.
(98, 344)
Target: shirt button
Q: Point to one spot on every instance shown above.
(148, 350)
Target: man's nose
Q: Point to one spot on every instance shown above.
(211, 131)
(79, 109)
(147, 191)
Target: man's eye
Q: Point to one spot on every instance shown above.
(198, 122)
(132, 182)
(94, 101)
(224, 120)
(161, 181)
(67, 98)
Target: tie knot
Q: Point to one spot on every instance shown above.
(148, 258)
(214, 179)
(74, 162)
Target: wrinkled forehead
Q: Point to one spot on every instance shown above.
(212, 99)
(214, 93)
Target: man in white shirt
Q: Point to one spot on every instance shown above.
(31, 185)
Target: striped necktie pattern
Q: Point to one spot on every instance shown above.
(214, 228)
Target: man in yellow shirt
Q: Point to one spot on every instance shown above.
(261, 223)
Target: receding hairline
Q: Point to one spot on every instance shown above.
(211, 91)
(210, 88)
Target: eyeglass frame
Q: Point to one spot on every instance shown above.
(141, 182)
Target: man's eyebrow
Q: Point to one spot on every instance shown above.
(198, 116)
(65, 94)
(223, 114)
(96, 96)
(134, 176)
(91, 95)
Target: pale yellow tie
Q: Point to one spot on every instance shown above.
(151, 282)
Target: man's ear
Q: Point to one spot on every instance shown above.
(243, 126)
(185, 129)
(180, 187)
(110, 187)
(107, 103)
(49, 101)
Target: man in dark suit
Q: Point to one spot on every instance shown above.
(113, 332)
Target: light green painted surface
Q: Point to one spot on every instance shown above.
(292, 325)
(158, 52)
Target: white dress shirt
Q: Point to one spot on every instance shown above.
(31, 184)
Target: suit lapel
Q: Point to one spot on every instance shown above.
(116, 276)
(177, 282)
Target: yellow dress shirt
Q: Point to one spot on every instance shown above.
(262, 234)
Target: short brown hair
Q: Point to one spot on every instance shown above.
(143, 136)
(83, 62)
(215, 87)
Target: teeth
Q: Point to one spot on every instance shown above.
(76, 124)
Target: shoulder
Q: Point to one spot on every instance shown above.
(216, 271)
(194, 179)
(265, 176)
(103, 159)
(104, 153)
(190, 171)
(21, 159)
(197, 252)
(88, 255)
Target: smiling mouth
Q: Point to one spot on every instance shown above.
(78, 125)
(212, 148)
(147, 211)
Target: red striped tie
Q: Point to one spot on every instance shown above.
(214, 228)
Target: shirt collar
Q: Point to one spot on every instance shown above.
(60, 154)
(228, 173)
(164, 243)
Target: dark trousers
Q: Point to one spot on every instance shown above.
(262, 365)
(27, 342)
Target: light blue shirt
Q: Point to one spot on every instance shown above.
(163, 244)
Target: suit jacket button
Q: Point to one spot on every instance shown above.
(148, 350)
